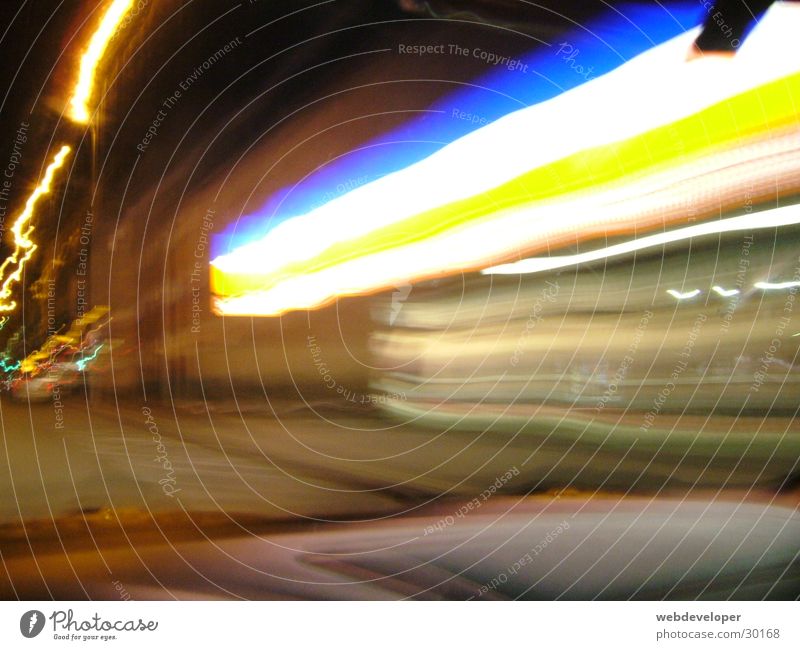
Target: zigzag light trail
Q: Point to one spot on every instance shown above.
(22, 230)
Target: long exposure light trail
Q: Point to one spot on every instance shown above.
(22, 230)
(725, 293)
(586, 176)
(785, 216)
(24, 247)
(81, 363)
(78, 104)
(686, 295)
(767, 286)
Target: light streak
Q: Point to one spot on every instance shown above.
(725, 293)
(683, 296)
(769, 286)
(81, 363)
(785, 216)
(22, 230)
(5, 367)
(78, 110)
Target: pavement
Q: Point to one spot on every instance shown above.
(285, 461)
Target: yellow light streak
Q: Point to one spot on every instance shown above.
(23, 245)
(79, 111)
